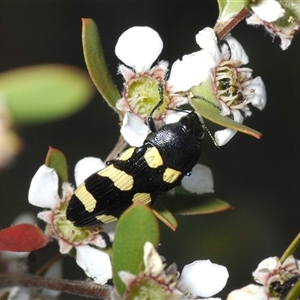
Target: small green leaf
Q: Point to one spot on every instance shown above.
(96, 64)
(164, 215)
(209, 110)
(45, 92)
(195, 205)
(56, 159)
(136, 226)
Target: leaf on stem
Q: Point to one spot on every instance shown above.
(56, 160)
(22, 238)
(136, 226)
(96, 63)
(212, 112)
(45, 93)
(191, 205)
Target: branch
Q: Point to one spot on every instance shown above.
(221, 29)
(76, 287)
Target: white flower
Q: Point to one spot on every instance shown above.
(222, 137)
(202, 278)
(155, 281)
(200, 181)
(199, 279)
(278, 20)
(249, 292)
(271, 269)
(144, 87)
(43, 192)
(272, 275)
(138, 47)
(268, 10)
(232, 85)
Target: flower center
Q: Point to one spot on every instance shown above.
(67, 231)
(143, 94)
(230, 82)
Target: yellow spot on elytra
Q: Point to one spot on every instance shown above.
(153, 158)
(106, 218)
(86, 198)
(144, 198)
(127, 154)
(171, 175)
(121, 179)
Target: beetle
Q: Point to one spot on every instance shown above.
(139, 174)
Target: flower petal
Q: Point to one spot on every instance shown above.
(64, 246)
(260, 96)
(203, 278)
(249, 292)
(27, 218)
(265, 268)
(86, 167)
(222, 137)
(236, 50)
(174, 116)
(268, 10)
(95, 263)
(207, 40)
(134, 130)
(152, 260)
(200, 181)
(192, 70)
(138, 47)
(43, 190)
(127, 277)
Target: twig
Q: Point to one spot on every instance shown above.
(222, 31)
(76, 287)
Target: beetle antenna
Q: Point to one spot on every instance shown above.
(150, 120)
(211, 136)
(204, 126)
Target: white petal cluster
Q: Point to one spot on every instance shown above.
(268, 271)
(139, 47)
(198, 279)
(43, 192)
(214, 61)
(276, 19)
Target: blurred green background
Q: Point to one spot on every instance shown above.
(260, 178)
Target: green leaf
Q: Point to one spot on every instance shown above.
(136, 226)
(56, 159)
(210, 110)
(164, 215)
(195, 205)
(45, 92)
(230, 8)
(96, 64)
